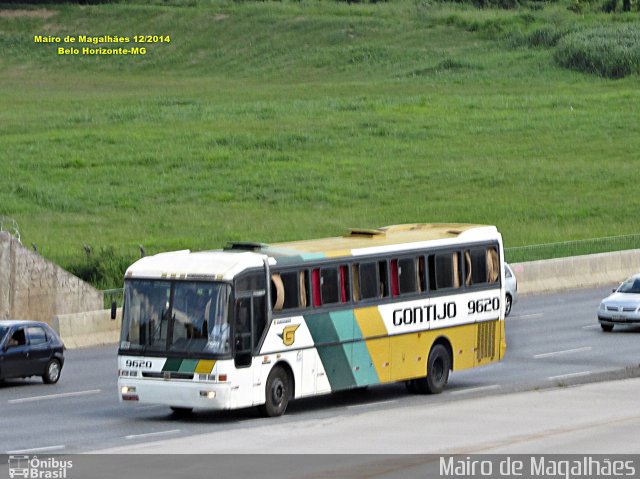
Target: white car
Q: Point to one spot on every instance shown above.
(622, 306)
(511, 286)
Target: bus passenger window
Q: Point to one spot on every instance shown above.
(291, 284)
(384, 278)
(369, 284)
(304, 288)
(344, 284)
(329, 285)
(395, 290)
(277, 292)
(422, 278)
(477, 262)
(407, 275)
(444, 271)
(493, 265)
(315, 280)
(356, 282)
(482, 266)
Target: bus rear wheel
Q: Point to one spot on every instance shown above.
(277, 393)
(438, 366)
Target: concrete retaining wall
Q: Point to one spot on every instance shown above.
(91, 328)
(576, 272)
(32, 287)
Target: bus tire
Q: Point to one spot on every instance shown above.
(438, 366)
(276, 393)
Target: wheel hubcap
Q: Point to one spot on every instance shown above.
(278, 392)
(54, 371)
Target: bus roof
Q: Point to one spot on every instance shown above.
(370, 241)
(225, 264)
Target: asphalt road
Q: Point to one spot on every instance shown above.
(553, 340)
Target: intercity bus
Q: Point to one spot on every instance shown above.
(259, 325)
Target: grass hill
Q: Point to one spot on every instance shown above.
(271, 121)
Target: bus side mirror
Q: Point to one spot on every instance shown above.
(113, 310)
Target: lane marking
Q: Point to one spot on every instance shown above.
(55, 396)
(472, 390)
(37, 449)
(591, 326)
(566, 351)
(372, 404)
(570, 375)
(151, 434)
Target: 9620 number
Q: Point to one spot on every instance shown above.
(484, 305)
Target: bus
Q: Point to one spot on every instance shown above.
(262, 324)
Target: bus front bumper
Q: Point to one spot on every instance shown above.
(182, 394)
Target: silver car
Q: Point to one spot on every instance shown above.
(622, 306)
(511, 286)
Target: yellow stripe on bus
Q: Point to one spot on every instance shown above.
(370, 322)
(205, 366)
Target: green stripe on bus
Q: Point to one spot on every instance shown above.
(321, 328)
(344, 323)
(337, 366)
(172, 364)
(188, 366)
(362, 365)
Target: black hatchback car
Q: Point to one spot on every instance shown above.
(30, 348)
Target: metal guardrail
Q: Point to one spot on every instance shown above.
(564, 249)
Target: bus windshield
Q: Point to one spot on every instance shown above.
(176, 316)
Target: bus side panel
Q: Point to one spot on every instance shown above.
(463, 345)
(380, 354)
(364, 369)
(336, 360)
(409, 355)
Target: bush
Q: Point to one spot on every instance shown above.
(608, 51)
(103, 269)
(546, 36)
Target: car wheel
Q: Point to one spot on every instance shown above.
(276, 393)
(607, 328)
(507, 305)
(52, 372)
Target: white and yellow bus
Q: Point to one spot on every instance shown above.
(259, 325)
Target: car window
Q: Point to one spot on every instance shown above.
(36, 335)
(18, 338)
(632, 286)
(3, 330)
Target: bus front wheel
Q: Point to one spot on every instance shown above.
(276, 393)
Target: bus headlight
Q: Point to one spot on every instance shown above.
(208, 394)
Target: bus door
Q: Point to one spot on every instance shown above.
(249, 324)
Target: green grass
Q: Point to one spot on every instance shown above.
(273, 121)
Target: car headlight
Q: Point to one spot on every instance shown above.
(602, 306)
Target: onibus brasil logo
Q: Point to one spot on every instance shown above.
(34, 468)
